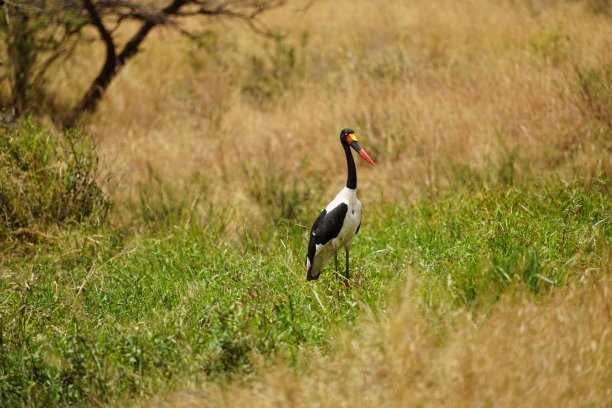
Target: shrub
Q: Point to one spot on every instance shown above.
(595, 92)
(46, 181)
(274, 72)
(553, 46)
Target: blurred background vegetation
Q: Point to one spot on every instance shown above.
(152, 245)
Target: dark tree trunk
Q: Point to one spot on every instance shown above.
(109, 68)
(22, 57)
(114, 63)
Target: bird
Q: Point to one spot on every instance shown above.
(340, 220)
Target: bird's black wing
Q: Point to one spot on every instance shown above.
(328, 224)
(326, 227)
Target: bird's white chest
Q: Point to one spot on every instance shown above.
(352, 219)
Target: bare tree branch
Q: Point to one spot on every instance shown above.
(59, 54)
(54, 27)
(110, 64)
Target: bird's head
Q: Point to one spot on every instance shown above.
(348, 138)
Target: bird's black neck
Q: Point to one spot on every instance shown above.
(351, 179)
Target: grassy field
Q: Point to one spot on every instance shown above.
(156, 256)
(96, 316)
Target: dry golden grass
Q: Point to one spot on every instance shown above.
(437, 91)
(523, 352)
(433, 88)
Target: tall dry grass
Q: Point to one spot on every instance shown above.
(438, 91)
(442, 94)
(523, 352)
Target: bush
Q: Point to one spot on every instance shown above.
(595, 92)
(275, 72)
(553, 46)
(46, 181)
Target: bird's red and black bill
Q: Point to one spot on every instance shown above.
(352, 141)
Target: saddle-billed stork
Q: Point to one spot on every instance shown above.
(340, 220)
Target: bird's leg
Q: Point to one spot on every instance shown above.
(336, 263)
(336, 275)
(347, 275)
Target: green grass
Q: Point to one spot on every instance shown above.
(96, 316)
(46, 181)
(474, 245)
